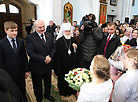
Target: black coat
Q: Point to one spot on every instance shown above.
(37, 52)
(89, 41)
(51, 29)
(9, 92)
(114, 42)
(132, 42)
(15, 64)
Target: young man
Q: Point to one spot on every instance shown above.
(126, 87)
(13, 56)
(41, 50)
(110, 41)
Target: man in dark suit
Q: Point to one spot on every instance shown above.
(41, 50)
(110, 41)
(13, 56)
(51, 28)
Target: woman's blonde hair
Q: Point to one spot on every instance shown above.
(101, 67)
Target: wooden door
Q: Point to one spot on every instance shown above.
(10, 12)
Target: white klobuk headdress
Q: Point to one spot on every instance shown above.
(64, 26)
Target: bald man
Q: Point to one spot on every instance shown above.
(41, 49)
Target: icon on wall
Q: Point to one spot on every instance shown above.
(68, 12)
(103, 11)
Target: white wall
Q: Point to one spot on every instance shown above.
(80, 8)
(114, 10)
(126, 9)
(95, 4)
(54, 9)
(57, 12)
(134, 9)
(122, 10)
(44, 10)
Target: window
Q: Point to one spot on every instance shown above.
(13, 9)
(2, 8)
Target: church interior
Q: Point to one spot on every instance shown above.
(25, 12)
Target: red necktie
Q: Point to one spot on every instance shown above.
(106, 45)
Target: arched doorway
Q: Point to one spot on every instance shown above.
(10, 12)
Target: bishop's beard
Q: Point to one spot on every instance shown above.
(67, 36)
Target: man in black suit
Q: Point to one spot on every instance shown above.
(41, 50)
(110, 41)
(13, 56)
(51, 28)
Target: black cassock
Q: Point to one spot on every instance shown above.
(65, 61)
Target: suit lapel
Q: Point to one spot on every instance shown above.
(113, 38)
(18, 45)
(8, 44)
(39, 39)
(46, 36)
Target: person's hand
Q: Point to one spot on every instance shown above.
(74, 45)
(77, 94)
(47, 59)
(26, 75)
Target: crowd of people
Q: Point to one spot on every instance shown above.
(63, 48)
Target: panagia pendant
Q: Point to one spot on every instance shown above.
(69, 52)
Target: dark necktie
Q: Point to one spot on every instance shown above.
(106, 45)
(43, 38)
(14, 45)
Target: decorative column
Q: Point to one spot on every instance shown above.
(123, 11)
(57, 14)
(96, 9)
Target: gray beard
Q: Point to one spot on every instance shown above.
(67, 36)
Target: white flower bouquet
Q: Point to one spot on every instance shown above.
(77, 77)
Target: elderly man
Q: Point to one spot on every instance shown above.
(126, 87)
(65, 59)
(40, 48)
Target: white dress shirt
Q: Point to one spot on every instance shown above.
(91, 92)
(10, 41)
(126, 87)
(110, 36)
(43, 36)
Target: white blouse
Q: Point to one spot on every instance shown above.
(91, 92)
(126, 87)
